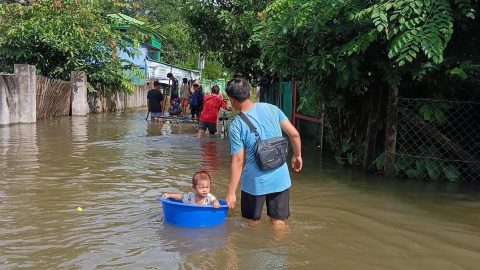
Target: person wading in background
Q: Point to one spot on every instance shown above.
(184, 95)
(154, 101)
(208, 118)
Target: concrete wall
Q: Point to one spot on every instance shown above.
(8, 98)
(137, 98)
(79, 93)
(106, 101)
(18, 96)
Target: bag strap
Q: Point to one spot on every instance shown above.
(250, 125)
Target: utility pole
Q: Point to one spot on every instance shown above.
(201, 63)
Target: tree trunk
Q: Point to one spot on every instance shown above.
(372, 130)
(391, 132)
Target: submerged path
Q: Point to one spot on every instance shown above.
(115, 165)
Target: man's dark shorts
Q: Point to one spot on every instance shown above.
(277, 205)
(212, 128)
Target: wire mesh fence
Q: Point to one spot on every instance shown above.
(53, 97)
(438, 140)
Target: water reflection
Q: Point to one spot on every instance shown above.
(208, 149)
(167, 128)
(154, 128)
(190, 240)
(18, 146)
(79, 134)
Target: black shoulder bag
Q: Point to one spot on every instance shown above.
(271, 153)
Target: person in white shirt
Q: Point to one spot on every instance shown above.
(201, 183)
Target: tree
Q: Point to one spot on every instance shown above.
(181, 43)
(348, 53)
(225, 27)
(61, 36)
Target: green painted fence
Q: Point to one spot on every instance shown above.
(207, 85)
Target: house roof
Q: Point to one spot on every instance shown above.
(124, 20)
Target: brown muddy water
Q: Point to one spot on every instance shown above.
(116, 165)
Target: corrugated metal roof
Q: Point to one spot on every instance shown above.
(127, 20)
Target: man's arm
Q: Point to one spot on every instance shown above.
(235, 173)
(223, 105)
(294, 136)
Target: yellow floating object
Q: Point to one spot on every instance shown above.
(79, 209)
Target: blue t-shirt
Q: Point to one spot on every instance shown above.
(266, 118)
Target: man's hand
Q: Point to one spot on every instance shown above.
(297, 163)
(231, 199)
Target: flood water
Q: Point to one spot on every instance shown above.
(114, 166)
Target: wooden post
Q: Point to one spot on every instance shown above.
(375, 106)
(320, 127)
(391, 132)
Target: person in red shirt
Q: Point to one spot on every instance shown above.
(208, 118)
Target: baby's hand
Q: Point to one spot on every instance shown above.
(216, 204)
(165, 195)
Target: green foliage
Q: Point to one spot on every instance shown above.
(379, 162)
(157, 12)
(464, 71)
(426, 168)
(434, 112)
(346, 155)
(214, 70)
(62, 36)
(179, 47)
(181, 44)
(226, 27)
(451, 173)
(415, 26)
(346, 51)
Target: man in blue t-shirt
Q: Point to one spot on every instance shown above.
(257, 186)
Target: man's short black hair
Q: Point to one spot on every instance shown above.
(155, 83)
(216, 89)
(185, 80)
(169, 75)
(238, 89)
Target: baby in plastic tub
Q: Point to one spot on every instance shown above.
(201, 182)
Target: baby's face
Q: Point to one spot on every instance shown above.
(202, 188)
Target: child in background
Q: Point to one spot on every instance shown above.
(201, 182)
(195, 102)
(184, 95)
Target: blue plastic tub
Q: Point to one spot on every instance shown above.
(193, 216)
